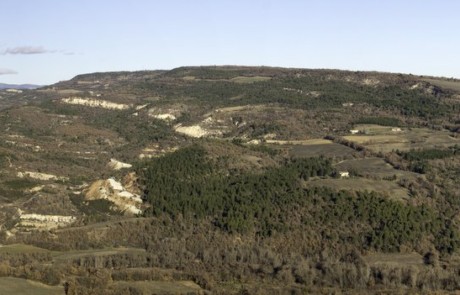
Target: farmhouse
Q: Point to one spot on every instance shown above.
(344, 174)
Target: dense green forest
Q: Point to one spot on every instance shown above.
(275, 201)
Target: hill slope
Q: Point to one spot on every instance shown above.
(238, 178)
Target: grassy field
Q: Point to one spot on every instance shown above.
(320, 147)
(391, 188)
(415, 138)
(15, 286)
(446, 84)
(372, 129)
(21, 248)
(372, 167)
(160, 287)
(64, 256)
(309, 142)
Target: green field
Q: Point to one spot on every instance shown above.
(15, 286)
(21, 248)
(373, 167)
(324, 149)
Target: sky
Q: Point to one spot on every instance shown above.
(46, 41)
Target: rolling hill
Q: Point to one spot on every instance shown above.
(232, 180)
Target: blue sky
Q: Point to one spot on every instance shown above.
(45, 41)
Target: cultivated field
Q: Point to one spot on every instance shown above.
(161, 287)
(21, 248)
(373, 129)
(318, 147)
(68, 255)
(372, 167)
(59, 256)
(390, 188)
(15, 286)
(407, 139)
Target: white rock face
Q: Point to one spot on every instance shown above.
(14, 90)
(95, 103)
(370, 81)
(41, 221)
(140, 107)
(40, 176)
(114, 192)
(115, 185)
(192, 131)
(155, 151)
(35, 189)
(165, 117)
(117, 165)
(254, 142)
(48, 218)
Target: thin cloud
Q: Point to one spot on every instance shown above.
(7, 72)
(27, 50)
(65, 52)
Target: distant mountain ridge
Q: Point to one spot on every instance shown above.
(19, 86)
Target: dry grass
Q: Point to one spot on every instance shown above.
(391, 188)
(320, 147)
(446, 84)
(161, 287)
(376, 167)
(63, 256)
(21, 248)
(372, 129)
(306, 142)
(15, 286)
(415, 138)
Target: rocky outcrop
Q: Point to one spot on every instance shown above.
(40, 176)
(95, 103)
(42, 221)
(123, 199)
(117, 165)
